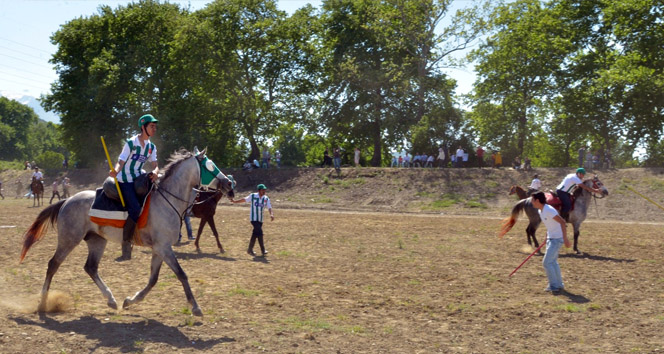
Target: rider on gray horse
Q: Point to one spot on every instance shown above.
(567, 185)
(136, 151)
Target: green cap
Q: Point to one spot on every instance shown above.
(261, 186)
(145, 119)
(581, 170)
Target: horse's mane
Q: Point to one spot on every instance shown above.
(578, 190)
(176, 158)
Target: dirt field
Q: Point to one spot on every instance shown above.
(352, 282)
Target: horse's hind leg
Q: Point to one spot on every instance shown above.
(96, 246)
(60, 255)
(155, 266)
(216, 234)
(531, 230)
(576, 239)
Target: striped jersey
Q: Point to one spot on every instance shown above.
(257, 205)
(135, 157)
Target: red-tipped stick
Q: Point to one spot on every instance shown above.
(522, 263)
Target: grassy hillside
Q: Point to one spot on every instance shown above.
(467, 191)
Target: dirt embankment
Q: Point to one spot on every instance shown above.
(467, 191)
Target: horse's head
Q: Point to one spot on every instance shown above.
(596, 183)
(512, 189)
(211, 176)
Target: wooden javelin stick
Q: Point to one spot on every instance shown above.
(110, 165)
(524, 262)
(644, 197)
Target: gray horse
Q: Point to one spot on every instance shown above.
(576, 216)
(174, 196)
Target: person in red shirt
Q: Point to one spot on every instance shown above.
(480, 156)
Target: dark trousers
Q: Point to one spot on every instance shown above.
(53, 196)
(130, 199)
(257, 233)
(566, 200)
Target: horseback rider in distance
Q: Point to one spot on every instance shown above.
(136, 151)
(567, 185)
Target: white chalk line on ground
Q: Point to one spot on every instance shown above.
(447, 216)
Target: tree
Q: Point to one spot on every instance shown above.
(16, 120)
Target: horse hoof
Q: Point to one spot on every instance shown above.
(221, 250)
(126, 303)
(112, 304)
(196, 311)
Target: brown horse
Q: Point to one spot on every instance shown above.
(520, 192)
(37, 189)
(205, 208)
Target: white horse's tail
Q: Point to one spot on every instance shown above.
(508, 223)
(36, 231)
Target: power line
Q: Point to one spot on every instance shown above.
(21, 77)
(19, 52)
(24, 84)
(25, 45)
(26, 61)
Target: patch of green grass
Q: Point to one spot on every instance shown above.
(323, 200)
(474, 204)
(594, 307)
(657, 184)
(491, 184)
(414, 282)
(425, 194)
(326, 180)
(244, 292)
(354, 329)
(569, 308)
(456, 307)
(10, 165)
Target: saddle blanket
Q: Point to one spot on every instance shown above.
(555, 202)
(108, 212)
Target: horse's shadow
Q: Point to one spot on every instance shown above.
(202, 255)
(123, 336)
(595, 258)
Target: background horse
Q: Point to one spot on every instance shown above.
(576, 216)
(37, 189)
(205, 208)
(167, 205)
(520, 192)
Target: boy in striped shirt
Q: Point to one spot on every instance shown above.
(136, 152)
(258, 202)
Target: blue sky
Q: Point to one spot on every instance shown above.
(26, 27)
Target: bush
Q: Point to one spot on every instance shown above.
(50, 160)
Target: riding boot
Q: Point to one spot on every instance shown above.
(127, 238)
(260, 243)
(565, 215)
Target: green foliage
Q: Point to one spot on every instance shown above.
(16, 120)
(49, 160)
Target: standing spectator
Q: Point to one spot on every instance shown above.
(607, 159)
(357, 157)
(582, 152)
(596, 160)
(459, 156)
(65, 188)
(3, 197)
(266, 158)
(416, 160)
(277, 156)
(258, 202)
(337, 158)
(400, 161)
(55, 191)
(394, 162)
(535, 185)
(556, 236)
(441, 157)
(499, 159)
(19, 189)
(589, 159)
(327, 160)
(406, 160)
(480, 156)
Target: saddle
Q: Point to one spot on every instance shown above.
(553, 200)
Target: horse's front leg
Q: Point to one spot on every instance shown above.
(576, 239)
(200, 230)
(155, 266)
(169, 258)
